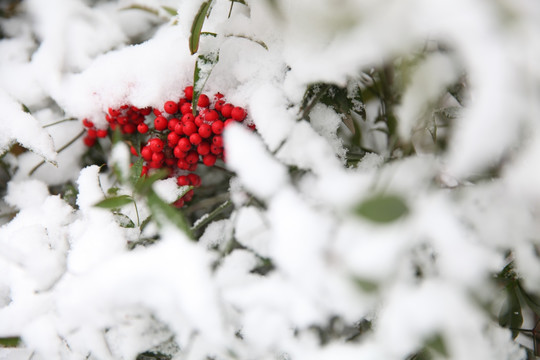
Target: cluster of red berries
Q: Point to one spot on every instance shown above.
(179, 137)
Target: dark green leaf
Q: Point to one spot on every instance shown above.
(115, 202)
(197, 25)
(437, 344)
(26, 109)
(203, 69)
(382, 208)
(510, 315)
(170, 10)
(112, 191)
(163, 213)
(531, 300)
(10, 342)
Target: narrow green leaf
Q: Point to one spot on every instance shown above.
(197, 25)
(382, 208)
(170, 10)
(135, 171)
(10, 342)
(115, 202)
(142, 8)
(203, 68)
(25, 109)
(144, 183)
(365, 285)
(510, 315)
(163, 212)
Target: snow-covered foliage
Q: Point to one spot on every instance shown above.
(387, 206)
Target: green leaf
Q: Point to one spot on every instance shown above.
(142, 8)
(10, 342)
(203, 68)
(197, 25)
(382, 208)
(365, 285)
(163, 213)
(124, 221)
(135, 171)
(532, 301)
(510, 315)
(115, 202)
(170, 10)
(25, 109)
(144, 183)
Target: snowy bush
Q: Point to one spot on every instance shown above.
(379, 201)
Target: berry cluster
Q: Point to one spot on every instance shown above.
(175, 137)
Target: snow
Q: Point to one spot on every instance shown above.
(294, 259)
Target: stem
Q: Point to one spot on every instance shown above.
(59, 122)
(59, 151)
(136, 211)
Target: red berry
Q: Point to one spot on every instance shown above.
(179, 203)
(192, 157)
(203, 101)
(92, 133)
(87, 123)
(129, 129)
(170, 162)
(114, 112)
(211, 115)
(144, 170)
(170, 107)
(172, 123)
(189, 128)
(89, 141)
(228, 122)
(217, 127)
(195, 138)
(188, 91)
(156, 145)
(183, 180)
(178, 128)
(146, 111)
(209, 160)
(122, 120)
(146, 153)
(133, 150)
(205, 130)
(157, 157)
(238, 113)
(216, 150)
(217, 140)
(154, 165)
(188, 117)
(101, 133)
(182, 164)
(179, 153)
(160, 123)
(192, 167)
(186, 108)
(219, 104)
(188, 196)
(194, 179)
(142, 128)
(226, 110)
(218, 96)
(203, 148)
(184, 144)
(198, 120)
(172, 139)
(156, 112)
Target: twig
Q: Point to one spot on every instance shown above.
(59, 151)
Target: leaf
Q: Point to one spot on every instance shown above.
(135, 171)
(349, 122)
(143, 8)
(510, 315)
(124, 221)
(365, 285)
(10, 342)
(170, 10)
(115, 202)
(532, 301)
(203, 68)
(382, 208)
(161, 210)
(144, 183)
(197, 25)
